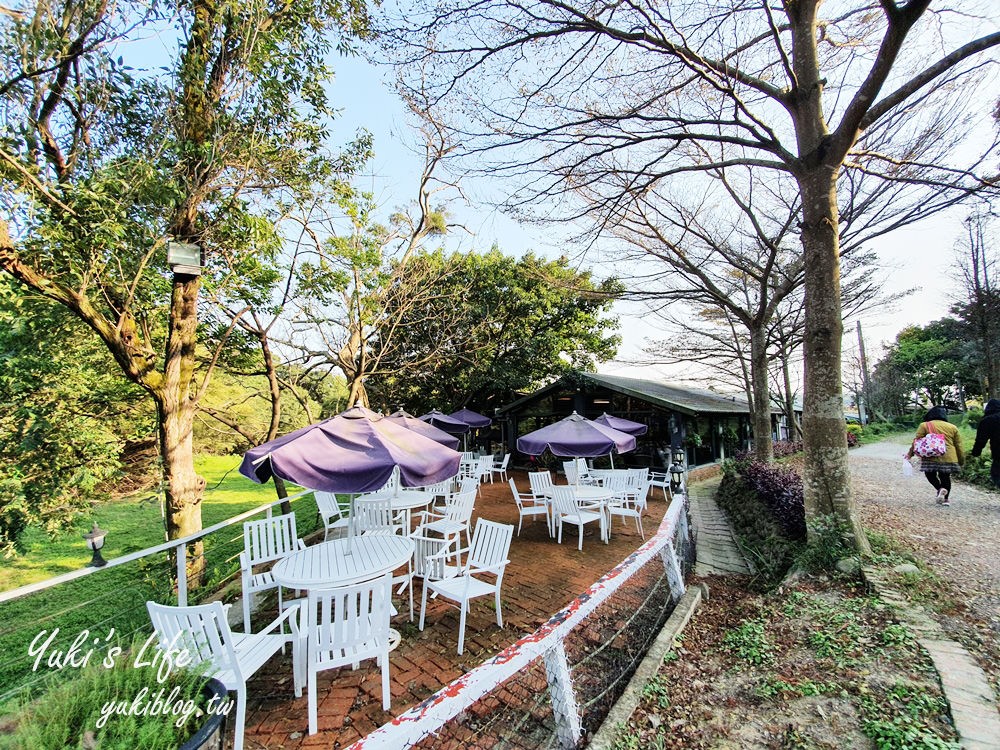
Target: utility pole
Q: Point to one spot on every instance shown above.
(864, 375)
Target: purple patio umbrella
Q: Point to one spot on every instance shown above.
(353, 452)
(410, 422)
(471, 418)
(443, 422)
(622, 425)
(576, 437)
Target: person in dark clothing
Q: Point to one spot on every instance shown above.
(989, 429)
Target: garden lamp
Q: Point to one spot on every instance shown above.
(95, 540)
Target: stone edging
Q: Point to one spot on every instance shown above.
(964, 684)
(604, 738)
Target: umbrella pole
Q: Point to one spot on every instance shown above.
(611, 458)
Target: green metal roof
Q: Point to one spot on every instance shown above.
(682, 399)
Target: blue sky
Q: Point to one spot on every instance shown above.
(921, 256)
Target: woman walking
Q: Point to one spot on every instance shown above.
(939, 445)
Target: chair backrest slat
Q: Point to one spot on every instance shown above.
(539, 481)
(564, 500)
(490, 543)
(269, 538)
(201, 629)
(349, 617)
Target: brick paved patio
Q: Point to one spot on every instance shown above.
(541, 579)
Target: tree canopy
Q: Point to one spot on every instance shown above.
(493, 326)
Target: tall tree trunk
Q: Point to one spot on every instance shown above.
(175, 404)
(763, 446)
(826, 477)
(794, 428)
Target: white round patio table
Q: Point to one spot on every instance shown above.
(342, 562)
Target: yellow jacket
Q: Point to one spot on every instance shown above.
(952, 437)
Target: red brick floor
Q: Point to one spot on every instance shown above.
(542, 578)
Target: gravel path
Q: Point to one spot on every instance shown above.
(960, 543)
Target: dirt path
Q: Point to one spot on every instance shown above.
(959, 543)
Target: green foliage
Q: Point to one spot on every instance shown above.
(923, 362)
(657, 692)
(900, 719)
(827, 543)
(69, 710)
(749, 643)
(977, 470)
(491, 326)
(973, 416)
(65, 414)
(854, 429)
(758, 533)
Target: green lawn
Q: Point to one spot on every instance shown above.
(116, 598)
(134, 523)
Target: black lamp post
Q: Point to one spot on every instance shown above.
(677, 468)
(95, 540)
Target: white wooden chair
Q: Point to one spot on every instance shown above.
(629, 500)
(234, 657)
(456, 518)
(375, 515)
(331, 512)
(661, 479)
(500, 468)
(430, 557)
(265, 541)
(583, 472)
(528, 506)
(539, 481)
(565, 510)
(344, 626)
(486, 555)
(571, 472)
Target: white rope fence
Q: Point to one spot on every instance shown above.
(546, 643)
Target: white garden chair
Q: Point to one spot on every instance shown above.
(375, 515)
(629, 500)
(487, 555)
(565, 510)
(429, 558)
(331, 512)
(500, 468)
(344, 626)
(233, 657)
(453, 520)
(571, 472)
(484, 469)
(265, 541)
(528, 506)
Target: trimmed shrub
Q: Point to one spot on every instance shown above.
(761, 538)
(780, 490)
(852, 438)
(786, 448)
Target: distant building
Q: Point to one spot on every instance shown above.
(674, 414)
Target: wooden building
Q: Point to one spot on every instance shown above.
(709, 425)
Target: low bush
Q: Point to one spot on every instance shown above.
(852, 438)
(760, 536)
(786, 448)
(780, 490)
(81, 711)
(977, 471)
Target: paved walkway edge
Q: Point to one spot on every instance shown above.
(964, 684)
(604, 738)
